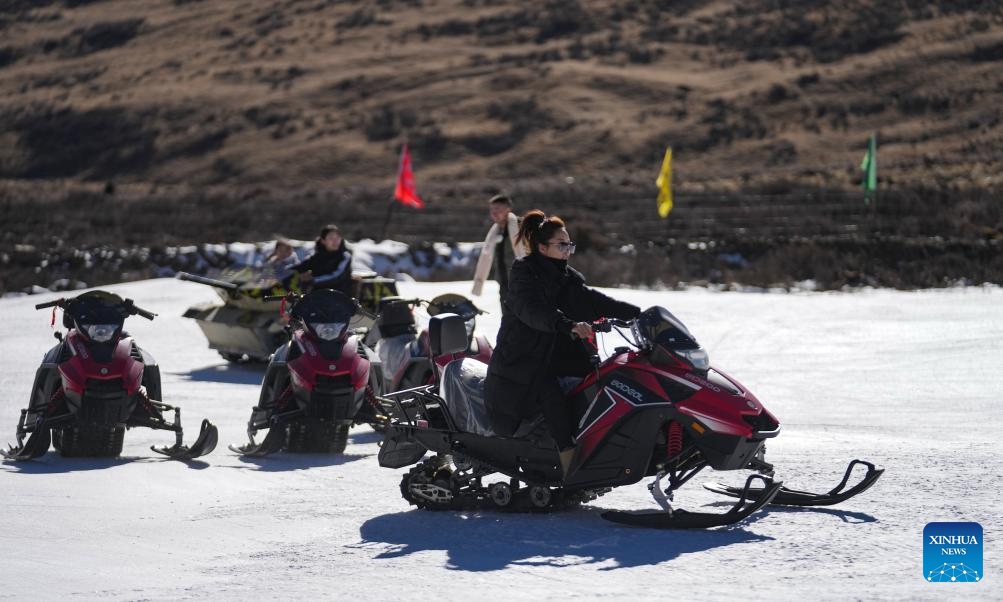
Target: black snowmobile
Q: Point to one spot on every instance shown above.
(319, 383)
(403, 350)
(96, 383)
(656, 408)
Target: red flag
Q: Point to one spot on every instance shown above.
(405, 192)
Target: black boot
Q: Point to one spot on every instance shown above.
(567, 455)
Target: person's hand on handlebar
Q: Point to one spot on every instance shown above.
(581, 330)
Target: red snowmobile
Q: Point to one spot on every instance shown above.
(656, 408)
(96, 383)
(404, 353)
(319, 383)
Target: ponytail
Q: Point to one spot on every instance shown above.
(536, 228)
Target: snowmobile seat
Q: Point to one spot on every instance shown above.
(462, 391)
(419, 347)
(394, 352)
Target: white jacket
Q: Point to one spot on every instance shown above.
(487, 257)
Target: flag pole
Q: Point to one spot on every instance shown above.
(386, 222)
(404, 190)
(393, 196)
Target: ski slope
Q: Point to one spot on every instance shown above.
(908, 380)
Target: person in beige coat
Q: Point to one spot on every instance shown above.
(501, 247)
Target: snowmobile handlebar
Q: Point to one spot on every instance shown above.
(607, 324)
(292, 298)
(130, 307)
(57, 303)
(138, 311)
(229, 286)
(416, 302)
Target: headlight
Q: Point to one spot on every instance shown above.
(328, 331)
(697, 357)
(100, 332)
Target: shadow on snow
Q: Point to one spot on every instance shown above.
(847, 516)
(53, 463)
(237, 374)
(491, 541)
(283, 461)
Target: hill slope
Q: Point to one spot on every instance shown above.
(319, 93)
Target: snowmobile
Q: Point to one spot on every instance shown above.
(654, 408)
(319, 383)
(247, 327)
(404, 353)
(96, 383)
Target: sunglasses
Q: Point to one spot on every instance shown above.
(564, 246)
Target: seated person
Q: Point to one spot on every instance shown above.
(548, 306)
(330, 266)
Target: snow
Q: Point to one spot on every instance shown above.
(908, 380)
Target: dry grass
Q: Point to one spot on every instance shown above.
(227, 120)
(319, 93)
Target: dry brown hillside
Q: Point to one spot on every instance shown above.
(321, 93)
(317, 95)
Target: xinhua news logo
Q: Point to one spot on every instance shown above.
(952, 552)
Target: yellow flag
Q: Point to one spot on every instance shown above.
(664, 183)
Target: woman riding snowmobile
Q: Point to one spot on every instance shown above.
(655, 408)
(548, 304)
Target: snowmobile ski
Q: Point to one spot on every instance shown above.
(204, 444)
(36, 445)
(792, 497)
(683, 519)
(272, 443)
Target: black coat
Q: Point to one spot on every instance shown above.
(331, 269)
(545, 300)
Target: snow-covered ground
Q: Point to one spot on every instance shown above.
(909, 380)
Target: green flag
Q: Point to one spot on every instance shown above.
(869, 165)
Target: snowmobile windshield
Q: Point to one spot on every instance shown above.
(459, 305)
(97, 314)
(325, 312)
(657, 326)
(453, 304)
(396, 317)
